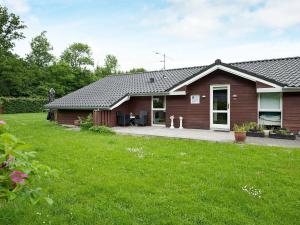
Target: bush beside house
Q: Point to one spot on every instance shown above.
(21, 105)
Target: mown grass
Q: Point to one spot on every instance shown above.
(146, 180)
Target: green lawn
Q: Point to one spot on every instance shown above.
(141, 180)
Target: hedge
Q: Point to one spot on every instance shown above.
(22, 104)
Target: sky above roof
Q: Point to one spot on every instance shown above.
(189, 32)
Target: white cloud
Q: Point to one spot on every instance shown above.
(279, 14)
(198, 19)
(17, 6)
(188, 31)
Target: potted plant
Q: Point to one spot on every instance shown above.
(254, 130)
(239, 133)
(282, 133)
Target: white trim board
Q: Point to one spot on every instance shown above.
(158, 109)
(126, 98)
(226, 69)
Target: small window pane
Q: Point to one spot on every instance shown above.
(220, 118)
(159, 117)
(159, 102)
(270, 101)
(220, 100)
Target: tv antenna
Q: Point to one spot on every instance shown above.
(164, 58)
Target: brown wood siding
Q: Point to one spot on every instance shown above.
(134, 105)
(291, 111)
(68, 116)
(262, 85)
(242, 109)
(102, 117)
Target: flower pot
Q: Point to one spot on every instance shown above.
(240, 136)
(290, 136)
(255, 134)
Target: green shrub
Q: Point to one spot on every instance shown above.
(102, 130)
(239, 128)
(86, 123)
(19, 171)
(22, 104)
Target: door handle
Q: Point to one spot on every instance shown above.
(228, 106)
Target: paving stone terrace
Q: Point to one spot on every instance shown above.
(208, 135)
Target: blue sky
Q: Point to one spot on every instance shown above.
(189, 32)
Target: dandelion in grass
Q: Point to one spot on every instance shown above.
(139, 152)
(134, 149)
(140, 155)
(254, 192)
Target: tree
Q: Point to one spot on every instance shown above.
(40, 51)
(110, 67)
(111, 64)
(78, 55)
(10, 29)
(137, 70)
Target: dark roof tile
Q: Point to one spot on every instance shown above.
(107, 91)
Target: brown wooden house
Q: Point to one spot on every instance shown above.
(216, 96)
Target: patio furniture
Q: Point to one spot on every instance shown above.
(141, 120)
(132, 119)
(122, 119)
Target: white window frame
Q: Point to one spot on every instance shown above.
(212, 111)
(270, 110)
(158, 109)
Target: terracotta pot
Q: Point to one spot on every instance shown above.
(240, 136)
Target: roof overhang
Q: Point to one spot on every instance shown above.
(274, 90)
(127, 97)
(228, 69)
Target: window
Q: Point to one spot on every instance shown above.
(270, 101)
(159, 110)
(159, 102)
(269, 105)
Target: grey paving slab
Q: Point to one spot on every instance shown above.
(208, 135)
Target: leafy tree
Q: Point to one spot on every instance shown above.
(13, 76)
(40, 51)
(111, 64)
(137, 70)
(101, 72)
(110, 67)
(78, 55)
(10, 29)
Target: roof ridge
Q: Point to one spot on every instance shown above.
(191, 67)
(266, 60)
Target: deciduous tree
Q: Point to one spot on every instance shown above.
(10, 29)
(41, 48)
(78, 55)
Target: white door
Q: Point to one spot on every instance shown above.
(220, 107)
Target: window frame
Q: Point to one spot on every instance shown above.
(158, 109)
(270, 110)
(280, 110)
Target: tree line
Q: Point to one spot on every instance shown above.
(37, 72)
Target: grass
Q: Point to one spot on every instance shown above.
(114, 179)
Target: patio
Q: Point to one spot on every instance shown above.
(207, 135)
